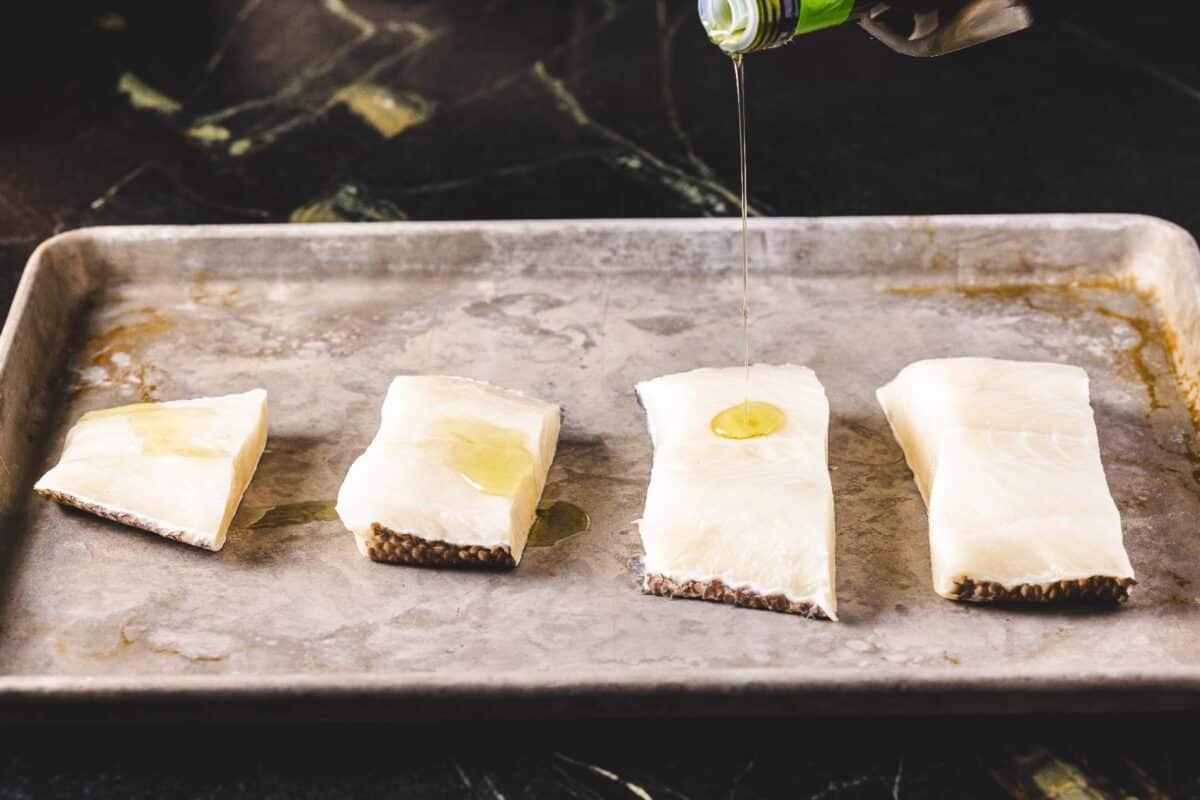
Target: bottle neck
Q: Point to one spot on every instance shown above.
(911, 27)
(743, 26)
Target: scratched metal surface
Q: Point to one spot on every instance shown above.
(324, 316)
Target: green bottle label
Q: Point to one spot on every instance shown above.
(817, 14)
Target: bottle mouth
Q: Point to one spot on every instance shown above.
(731, 25)
(741, 26)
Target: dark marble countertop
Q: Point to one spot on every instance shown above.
(141, 112)
(730, 760)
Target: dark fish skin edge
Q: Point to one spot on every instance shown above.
(1095, 589)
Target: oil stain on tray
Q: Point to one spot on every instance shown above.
(556, 520)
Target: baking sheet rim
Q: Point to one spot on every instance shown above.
(722, 681)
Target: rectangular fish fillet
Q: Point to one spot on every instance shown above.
(454, 475)
(178, 469)
(747, 522)
(1007, 459)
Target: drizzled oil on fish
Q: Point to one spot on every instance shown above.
(750, 418)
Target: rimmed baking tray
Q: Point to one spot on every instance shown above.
(289, 621)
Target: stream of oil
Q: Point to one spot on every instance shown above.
(750, 418)
(739, 79)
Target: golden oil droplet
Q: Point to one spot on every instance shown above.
(164, 430)
(557, 521)
(494, 460)
(748, 420)
(286, 514)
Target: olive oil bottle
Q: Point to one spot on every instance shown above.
(911, 27)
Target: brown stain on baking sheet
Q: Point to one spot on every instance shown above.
(1150, 333)
(1010, 291)
(66, 647)
(126, 642)
(1026, 293)
(204, 293)
(115, 350)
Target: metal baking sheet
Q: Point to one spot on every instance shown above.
(288, 620)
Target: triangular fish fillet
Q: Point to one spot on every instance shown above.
(178, 469)
(407, 502)
(1006, 456)
(748, 522)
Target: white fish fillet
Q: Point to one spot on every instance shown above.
(1006, 456)
(178, 469)
(407, 498)
(749, 521)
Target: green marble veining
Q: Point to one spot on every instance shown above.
(390, 113)
(208, 133)
(255, 123)
(705, 195)
(142, 96)
(348, 203)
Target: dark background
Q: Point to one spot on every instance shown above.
(319, 110)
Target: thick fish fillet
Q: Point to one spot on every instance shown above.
(748, 522)
(1006, 456)
(454, 475)
(178, 469)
